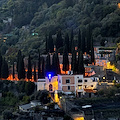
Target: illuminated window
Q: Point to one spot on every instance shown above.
(79, 87)
(67, 80)
(85, 80)
(79, 81)
(68, 87)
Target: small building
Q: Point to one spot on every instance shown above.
(41, 84)
(29, 107)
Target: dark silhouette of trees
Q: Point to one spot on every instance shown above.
(59, 40)
(35, 72)
(21, 69)
(74, 62)
(67, 42)
(79, 40)
(81, 69)
(92, 52)
(29, 72)
(88, 37)
(4, 69)
(0, 63)
(50, 44)
(13, 71)
(71, 46)
(43, 67)
(47, 64)
(39, 66)
(65, 60)
(18, 58)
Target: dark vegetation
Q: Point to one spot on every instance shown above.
(18, 93)
(33, 20)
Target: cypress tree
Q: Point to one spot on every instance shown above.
(54, 64)
(48, 64)
(88, 36)
(4, 69)
(92, 52)
(39, 66)
(65, 60)
(29, 72)
(43, 68)
(0, 63)
(67, 41)
(46, 44)
(71, 42)
(13, 71)
(50, 43)
(19, 55)
(79, 40)
(21, 69)
(35, 72)
(74, 62)
(58, 64)
(81, 69)
(83, 41)
(59, 40)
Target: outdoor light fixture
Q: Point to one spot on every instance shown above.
(49, 75)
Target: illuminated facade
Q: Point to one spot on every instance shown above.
(69, 84)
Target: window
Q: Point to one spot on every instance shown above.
(67, 80)
(79, 81)
(79, 87)
(85, 80)
(59, 81)
(68, 87)
(91, 85)
(85, 86)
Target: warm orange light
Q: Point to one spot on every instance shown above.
(118, 5)
(79, 118)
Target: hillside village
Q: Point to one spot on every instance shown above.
(60, 60)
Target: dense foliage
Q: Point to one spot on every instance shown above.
(24, 24)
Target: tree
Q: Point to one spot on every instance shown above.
(83, 47)
(13, 71)
(4, 69)
(74, 62)
(19, 55)
(0, 63)
(29, 87)
(65, 60)
(79, 40)
(50, 43)
(59, 40)
(39, 66)
(67, 41)
(21, 69)
(71, 46)
(48, 64)
(92, 52)
(35, 72)
(58, 64)
(43, 68)
(88, 37)
(46, 44)
(7, 114)
(81, 69)
(29, 72)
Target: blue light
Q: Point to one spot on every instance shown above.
(50, 75)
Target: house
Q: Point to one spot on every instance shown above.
(41, 83)
(29, 107)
